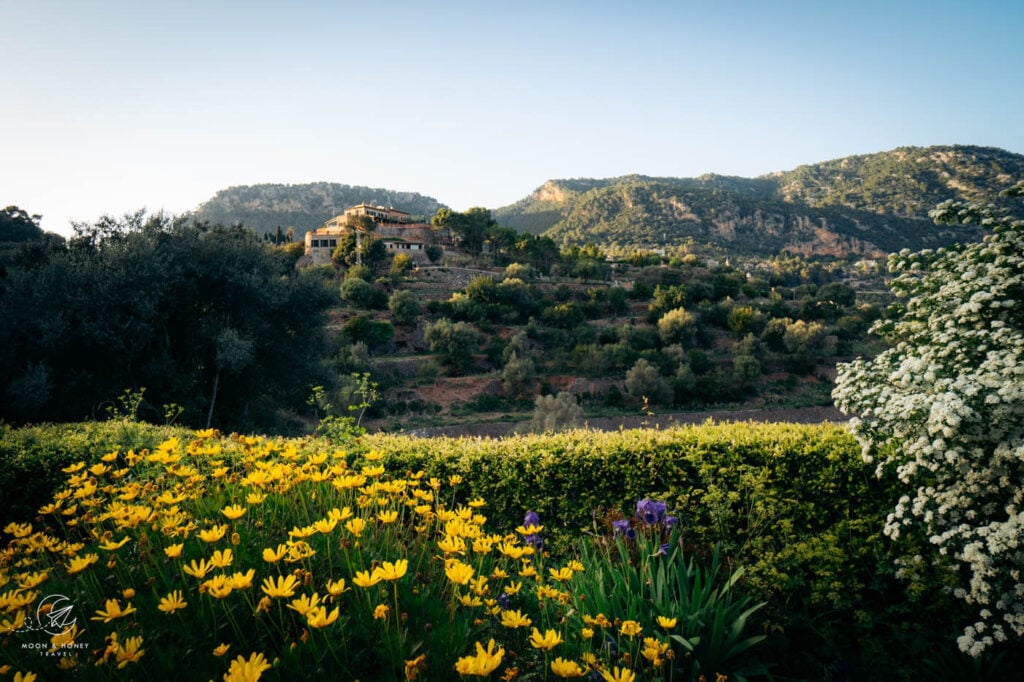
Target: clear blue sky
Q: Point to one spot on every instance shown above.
(112, 106)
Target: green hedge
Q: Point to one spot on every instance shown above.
(792, 503)
(795, 504)
(31, 457)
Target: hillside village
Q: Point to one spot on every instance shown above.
(449, 336)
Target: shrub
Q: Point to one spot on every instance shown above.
(943, 409)
(404, 307)
(555, 413)
(807, 343)
(361, 293)
(792, 503)
(643, 381)
(434, 253)
(677, 326)
(519, 271)
(31, 458)
(365, 329)
(517, 376)
(454, 342)
(401, 265)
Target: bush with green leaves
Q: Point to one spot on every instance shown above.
(677, 326)
(31, 457)
(795, 504)
(517, 376)
(644, 382)
(360, 293)
(555, 413)
(404, 307)
(454, 342)
(176, 305)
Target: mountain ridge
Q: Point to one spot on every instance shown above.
(860, 205)
(867, 205)
(304, 206)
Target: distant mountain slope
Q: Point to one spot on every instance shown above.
(264, 207)
(908, 181)
(861, 205)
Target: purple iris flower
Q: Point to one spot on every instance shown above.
(624, 528)
(650, 511)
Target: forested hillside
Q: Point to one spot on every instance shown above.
(908, 181)
(264, 208)
(860, 205)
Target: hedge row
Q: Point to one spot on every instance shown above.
(31, 457)
(794, 504)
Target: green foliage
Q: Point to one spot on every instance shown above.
(176, 306)
(404, 307)
(365, 329)
(471, 227)
(31, 457)
(792, 503)
(807, 343)
(345, 252)
(517, 376)
(401, 265)
(666, 299)
(434, 253)
(16, 225)
(553, 413)
(339, 428)
(645, 383)
(642, 579)
(677, 326)
(360, 293)
(519, 271)
(742, 319)
(454, 342)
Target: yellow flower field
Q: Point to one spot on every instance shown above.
(302, 562)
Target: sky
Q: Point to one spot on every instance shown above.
(111, 106)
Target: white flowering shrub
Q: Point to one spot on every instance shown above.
(943, 410)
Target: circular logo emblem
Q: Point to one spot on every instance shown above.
(54, 614)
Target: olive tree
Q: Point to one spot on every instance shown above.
(943, 411)
(455, 342)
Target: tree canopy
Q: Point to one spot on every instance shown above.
(472, 227)
(201, 315)
(16, 225)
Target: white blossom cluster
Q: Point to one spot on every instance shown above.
(943, 409)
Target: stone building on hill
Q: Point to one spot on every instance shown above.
(393, 227)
